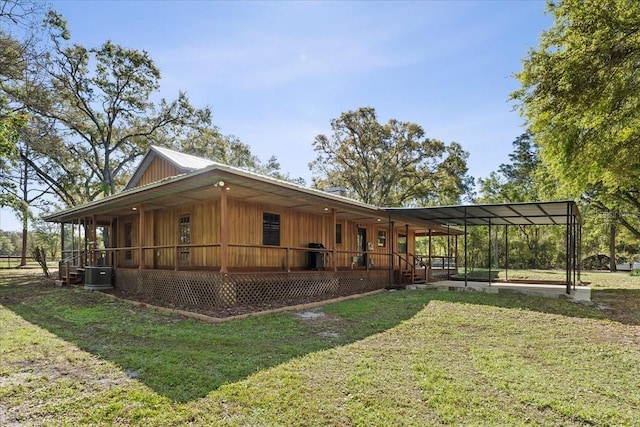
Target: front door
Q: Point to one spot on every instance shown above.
(362, 246)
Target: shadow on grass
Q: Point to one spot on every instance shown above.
(178, 357)
(185, 359)
(620, 305)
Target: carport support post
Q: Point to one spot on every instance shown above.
(489, 251)
(567, 255)
(465, 247)
(448, 252)
(429, 260)
(506, 252)
(579, 249)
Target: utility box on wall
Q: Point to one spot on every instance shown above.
(98, 278)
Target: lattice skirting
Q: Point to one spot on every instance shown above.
(216, 290)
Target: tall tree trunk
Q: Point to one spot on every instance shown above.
(25, 212)
(612, 245)
(23, 254)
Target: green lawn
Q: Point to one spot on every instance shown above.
(70, 357)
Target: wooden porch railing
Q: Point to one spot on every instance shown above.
(373, 260)
(75, 261)
(411, 262)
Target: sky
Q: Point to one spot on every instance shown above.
(276, 73)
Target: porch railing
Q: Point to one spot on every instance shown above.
(240, 256)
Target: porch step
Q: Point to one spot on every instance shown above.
(76, 277)
(407, 277)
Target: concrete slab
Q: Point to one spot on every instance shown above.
(580, 293)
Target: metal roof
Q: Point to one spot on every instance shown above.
(533, 213)
(183, 162)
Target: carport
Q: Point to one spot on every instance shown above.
(556, 213)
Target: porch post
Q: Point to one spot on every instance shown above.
(140, 237)
(333, 239)
(153, 243)
(94, 238)
(112, 244)
(224, 236)
(62, 257)
(81, 254)
(390, 243)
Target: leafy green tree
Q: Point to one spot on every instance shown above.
(47, 235)
(210, 143)
(391, 164)
(524, 179)
(98, 100)
(6, 246)
(580, 93)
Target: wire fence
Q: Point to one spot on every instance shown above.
(12, 261)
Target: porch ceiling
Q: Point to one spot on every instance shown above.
(206, 184)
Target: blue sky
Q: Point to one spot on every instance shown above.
(276, 73)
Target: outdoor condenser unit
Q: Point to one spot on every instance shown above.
(98, 278)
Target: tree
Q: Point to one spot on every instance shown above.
(580, 93)
(210, 143)
(97, 103)
(388, 165)
(524, 179)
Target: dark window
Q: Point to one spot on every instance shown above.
(128, 240)
(270, 229)
(338, 233)
(402, 244)
(185, 237)
(382, 239)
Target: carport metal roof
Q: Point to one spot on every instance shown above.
(533, 213)
(562, 213)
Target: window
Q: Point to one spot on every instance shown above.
(402, 243)
(270, 229)
(338, 233)
(382, 239)
(128, 240)
(185, 237)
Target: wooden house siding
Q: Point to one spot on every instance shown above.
(244, 228)
(158, 169)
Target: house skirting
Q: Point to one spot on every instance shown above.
(217, 290)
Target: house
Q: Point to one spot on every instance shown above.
(195, 232)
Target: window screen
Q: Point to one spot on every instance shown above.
(270, 229)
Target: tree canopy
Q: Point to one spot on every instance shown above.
(391, 164)
(96, 107)
(580, 94)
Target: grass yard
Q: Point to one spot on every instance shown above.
(71, 357)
